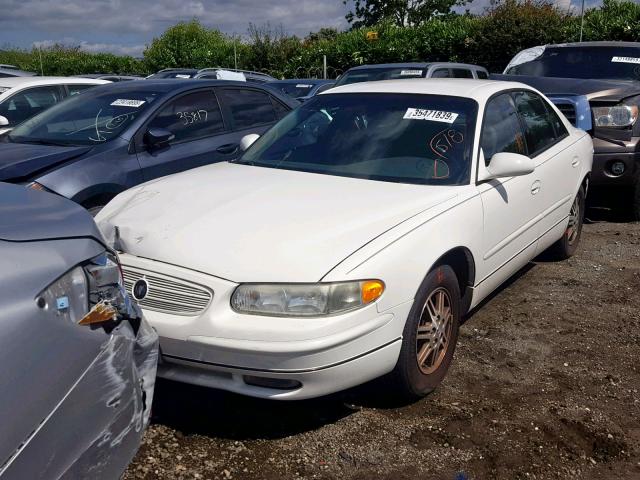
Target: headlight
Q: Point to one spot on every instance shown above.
(305, 299)
(88, 294)
(616, 116)
(68, 296)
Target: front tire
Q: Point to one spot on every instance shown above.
(567, 246)
(430, 334)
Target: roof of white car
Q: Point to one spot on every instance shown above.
(13, 82)
(457, 87)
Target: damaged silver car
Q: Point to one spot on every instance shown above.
(77, 359)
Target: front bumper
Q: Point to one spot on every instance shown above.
(606, 154)
(96, 429)
(307, 358)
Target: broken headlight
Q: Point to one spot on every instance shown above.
(88, 294)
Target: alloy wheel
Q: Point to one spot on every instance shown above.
(434, 331)
(573, 228)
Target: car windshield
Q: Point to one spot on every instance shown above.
(86, 119)
(295, 90)
(375, 74)
(617, 63)
(407, 138)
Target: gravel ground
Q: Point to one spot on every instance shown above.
(544, 385)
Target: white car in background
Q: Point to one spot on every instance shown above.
(349, 241)
(23, 97)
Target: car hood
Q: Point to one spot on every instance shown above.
(27, 215)
(19, 161)
(600, 90)
(246, 223)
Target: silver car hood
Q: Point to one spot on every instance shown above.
(27, 215)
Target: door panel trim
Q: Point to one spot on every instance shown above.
(564, 219)
(525, 227)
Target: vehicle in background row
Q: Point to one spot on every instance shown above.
(395, 71)
(111, 77)
(597, 86)
(119, 135)
(349, 240)
(13, 71)
(213, 74)
(24, 97)
(302, 89)
(78, 359)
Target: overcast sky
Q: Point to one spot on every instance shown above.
(125, 26)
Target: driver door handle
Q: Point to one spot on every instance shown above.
(575, 162)
(535, 188)
(227, 149)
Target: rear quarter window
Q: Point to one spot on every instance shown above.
(247, 107)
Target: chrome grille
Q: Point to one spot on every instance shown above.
(168, 294)
(569, 111)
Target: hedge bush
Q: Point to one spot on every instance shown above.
(490, 40)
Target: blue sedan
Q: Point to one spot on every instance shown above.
(101, 142)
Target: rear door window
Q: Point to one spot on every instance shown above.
(543, 126)
(441, 73)
(482, 74)
(190, 117)
(461, 73)
(279, 108)
(29, 102)
(76, 89)
(248, 108)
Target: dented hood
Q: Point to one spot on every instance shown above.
(246, 223)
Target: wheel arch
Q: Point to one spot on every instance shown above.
(461, 260)
(586, 181)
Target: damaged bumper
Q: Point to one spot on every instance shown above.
(95, 430)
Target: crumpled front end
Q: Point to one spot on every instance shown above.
(95, 430)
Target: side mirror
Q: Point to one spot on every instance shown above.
(506, 164)
(247, 141)
(4, 121)
(158, 138)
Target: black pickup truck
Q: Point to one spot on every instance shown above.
(597, 86)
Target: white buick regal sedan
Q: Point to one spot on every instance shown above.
(349, 241)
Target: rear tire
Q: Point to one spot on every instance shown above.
(430, 335)
(567, 246)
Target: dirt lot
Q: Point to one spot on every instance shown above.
(545, 384)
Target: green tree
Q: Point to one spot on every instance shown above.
(401, 12)
(189, 44)
(322, 34)
(271, 48)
